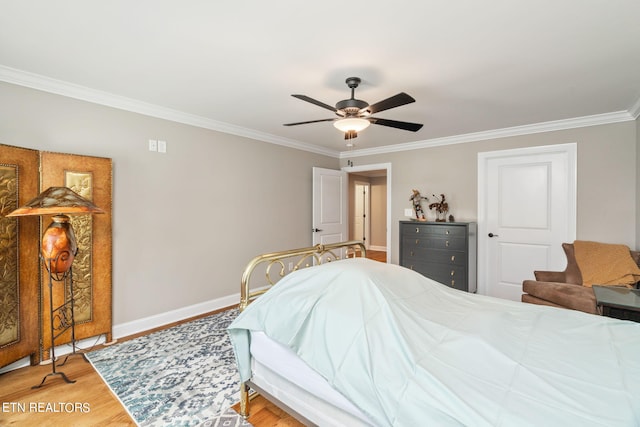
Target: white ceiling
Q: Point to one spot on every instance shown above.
(472, 66)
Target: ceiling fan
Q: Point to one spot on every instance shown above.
(354, 114)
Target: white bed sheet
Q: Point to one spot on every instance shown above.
(272, 362)
(413, 351)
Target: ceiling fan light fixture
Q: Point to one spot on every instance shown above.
(354, 124)
(350, 134)
(355, 115)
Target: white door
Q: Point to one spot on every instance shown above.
(361, 217)
(526, 209)
(330, 190)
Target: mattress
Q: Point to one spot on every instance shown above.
(279, 372)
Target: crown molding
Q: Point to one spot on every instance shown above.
(556, 125)
(59, 87)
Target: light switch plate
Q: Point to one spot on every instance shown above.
(153, 145)
(408, 212)
(162, 146)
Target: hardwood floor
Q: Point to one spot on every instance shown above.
(377, 255)
(265, 414)
(87, 402)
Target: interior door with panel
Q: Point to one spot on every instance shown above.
(330, 191)
(527, 209)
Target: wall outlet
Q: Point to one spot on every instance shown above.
(153, 145)
(408, 213)
(162, 146)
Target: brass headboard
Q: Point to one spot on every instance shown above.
(291, 260)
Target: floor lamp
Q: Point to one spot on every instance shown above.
(57, 252)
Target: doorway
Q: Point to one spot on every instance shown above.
(377, 233)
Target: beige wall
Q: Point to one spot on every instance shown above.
(379, 212)
(185, 223)
(607, 164)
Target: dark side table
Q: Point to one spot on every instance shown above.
(618, 302)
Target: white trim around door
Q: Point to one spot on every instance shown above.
(375, 167)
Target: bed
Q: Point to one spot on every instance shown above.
(358, 342)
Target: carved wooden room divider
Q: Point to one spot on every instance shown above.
(29, 309)
(19, 262)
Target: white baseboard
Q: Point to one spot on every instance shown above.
(378, 248)
(155, 321)
(61, 350)
(140, 325)
(15, 365)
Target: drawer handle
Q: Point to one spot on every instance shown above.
(453, 273)
(446, 243)
(453, 283)
(453, 258)
(411, 267)
(446, 232)
(417, 229)
(417, 241)
(411, 253)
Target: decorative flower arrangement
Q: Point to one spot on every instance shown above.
(441, 207)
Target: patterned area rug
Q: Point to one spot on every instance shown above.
(182, 376)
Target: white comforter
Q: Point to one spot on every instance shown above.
(409, 351)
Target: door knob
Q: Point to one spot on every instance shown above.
(493, 235)
(315, 230)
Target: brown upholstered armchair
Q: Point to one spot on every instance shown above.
(563, 288)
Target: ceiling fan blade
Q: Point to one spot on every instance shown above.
(310, 121)
(316, 102)
(413, 127)
(395, 101)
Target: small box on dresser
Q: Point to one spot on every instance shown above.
(442, 251)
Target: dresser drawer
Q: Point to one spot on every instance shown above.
(433, 242)
(420, 254)
(435, 230)
(452, 276)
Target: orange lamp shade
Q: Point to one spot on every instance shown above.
(59, 246)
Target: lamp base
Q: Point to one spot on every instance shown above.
(59, 246)
(61, 374)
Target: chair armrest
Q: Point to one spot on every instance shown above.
(550, 276)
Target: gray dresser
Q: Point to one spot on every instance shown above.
(442, 251)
